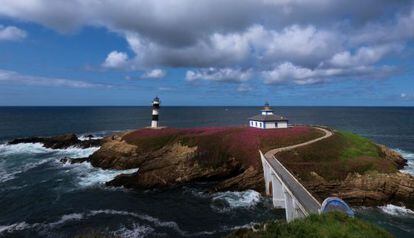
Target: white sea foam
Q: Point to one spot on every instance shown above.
(15, 227)
(66, 218)
(10, 167)
(38, 148)
(232, 200)
(88, 175)
(136, 231)
(155, 221)
(397, 210)
(23, 148)
(6, 175)
(76, 152)
(409, 156)
(85, 137)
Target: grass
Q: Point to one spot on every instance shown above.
(335, 225)
(335, 157)
(358, 146)
(216, 145)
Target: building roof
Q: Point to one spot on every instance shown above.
(273, 117)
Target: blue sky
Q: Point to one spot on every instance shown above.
(289, 52)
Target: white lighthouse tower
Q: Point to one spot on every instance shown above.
(155, 112)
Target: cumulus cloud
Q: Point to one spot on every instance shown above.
(299, 41)
(154, 74)
(11, 33)
(116, 60)
(15, 77)
(290, 73)
(364, 55)
(219, 75)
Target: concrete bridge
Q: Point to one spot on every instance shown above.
(286, 190)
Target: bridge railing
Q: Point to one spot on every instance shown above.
(301, 194)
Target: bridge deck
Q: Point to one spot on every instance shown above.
(309, 203)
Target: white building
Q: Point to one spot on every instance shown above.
(268, 120)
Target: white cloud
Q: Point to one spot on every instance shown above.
(219, 75)
(11, 33)
(290, 73)
(299, 41)
(15, 77)
(116, 60)
(155, 73)
(244, 88)
(364, 55)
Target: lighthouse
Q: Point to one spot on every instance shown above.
(155, 112)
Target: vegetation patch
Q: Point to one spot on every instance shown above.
(216, 145)
(334, 157)
(333, 225)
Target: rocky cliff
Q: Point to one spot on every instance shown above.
(228, 158)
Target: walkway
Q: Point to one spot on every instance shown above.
(286, 190)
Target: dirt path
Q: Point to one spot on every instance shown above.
(328, 133)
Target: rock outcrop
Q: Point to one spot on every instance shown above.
(59, 142)
(174, 165)
(392, 155)
(370, 189)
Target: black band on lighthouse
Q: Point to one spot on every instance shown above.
(156, 106)
(155, 117)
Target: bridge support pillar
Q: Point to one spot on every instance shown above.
(278, 196)
(267, 176)
(289, 206)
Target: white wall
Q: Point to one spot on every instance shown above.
(256, 124)
(282, 124)
(270, 125)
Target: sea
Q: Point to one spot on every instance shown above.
(42, 197)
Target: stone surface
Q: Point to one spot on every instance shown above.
(59, 142)
(371, 189)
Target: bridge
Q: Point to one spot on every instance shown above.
(287, 192)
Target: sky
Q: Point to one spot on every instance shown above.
(207, 52)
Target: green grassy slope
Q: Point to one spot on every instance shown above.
(335, 157)
(330, 225)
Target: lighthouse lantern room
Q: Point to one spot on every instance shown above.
(155, 112)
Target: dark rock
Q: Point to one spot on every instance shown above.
(74, 160)
(26, 140)
(59, 142)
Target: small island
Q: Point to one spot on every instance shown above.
(326, 162)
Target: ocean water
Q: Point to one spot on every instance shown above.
(41, 197)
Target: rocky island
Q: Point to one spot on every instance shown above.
(344, 165)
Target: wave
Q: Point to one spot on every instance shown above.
(226, 201)
(14, 227)
(86, 137)
(88, 176)
(136, 231)
(396, 210)
(19, 158)
(144, 217)
(23, 148)
(38, 148)
(409, 156)
(66, 218)
(6, 176)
